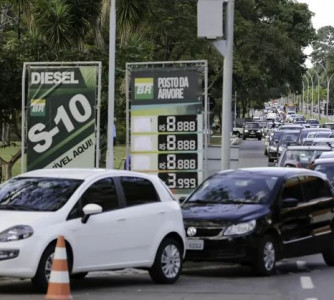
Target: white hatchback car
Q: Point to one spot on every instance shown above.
(110, 220)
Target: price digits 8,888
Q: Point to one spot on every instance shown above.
(177, 161)
(186, 123)
(177, 142)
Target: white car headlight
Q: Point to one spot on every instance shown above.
(16, 233)
(241, 228)
(273, 148)
(246, 130)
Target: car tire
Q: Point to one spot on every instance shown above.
(265, 256)
(244, 138)
(168, 262)
(259, 138)
(41, 279)
(328, 255)
(78, 276)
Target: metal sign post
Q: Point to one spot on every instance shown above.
(225, 47)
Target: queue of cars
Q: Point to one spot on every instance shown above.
(119, 219)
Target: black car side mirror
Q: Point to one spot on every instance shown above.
(290, 202)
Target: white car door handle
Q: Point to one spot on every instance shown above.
(121, 220)
(162, 212)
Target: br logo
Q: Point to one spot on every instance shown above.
(143, 88)
(37, 108)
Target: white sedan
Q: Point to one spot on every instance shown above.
(110, 220)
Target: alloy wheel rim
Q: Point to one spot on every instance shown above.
(269, 256)
(171, 261)
(48, 267)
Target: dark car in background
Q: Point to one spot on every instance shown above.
(326, 166)
(306, 131)
(271, 145)
(252, 130)
(301, 156)
(288, 138)
(258, 216)
(313, 123)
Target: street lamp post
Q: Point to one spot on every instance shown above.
(328, 80)
(318, 93)
(111, 86)
(303, 97)
(311, 77)
(308, 89)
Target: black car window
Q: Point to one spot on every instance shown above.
(102, 192)
(252, 125)
(292, 189)
(138, 190)
(315, 187)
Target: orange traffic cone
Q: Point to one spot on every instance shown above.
(59, 282)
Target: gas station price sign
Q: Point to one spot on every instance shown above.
(177, 142)
(187, 123)
(167, 126)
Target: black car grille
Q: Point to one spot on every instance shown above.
(206, 230)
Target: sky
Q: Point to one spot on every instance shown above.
(323, 10)
(323, 16)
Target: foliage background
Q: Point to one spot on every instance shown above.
(270, 36)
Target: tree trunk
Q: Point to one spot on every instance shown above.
(7, 166)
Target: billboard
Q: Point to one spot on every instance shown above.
(61, 116)
(167, 124)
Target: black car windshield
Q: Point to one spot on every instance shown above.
(231, 188)
(277, 135)
(252, 125)
(36, 194)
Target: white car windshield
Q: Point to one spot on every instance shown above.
(233, 189)
(36, 194)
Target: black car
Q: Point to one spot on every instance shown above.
(258, 216)
(252, 130)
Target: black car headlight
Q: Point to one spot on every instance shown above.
(240, 229)
(16, 233)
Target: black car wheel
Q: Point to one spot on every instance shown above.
(266, 255)
(81, 275)
(41, 279)
(328, 255)
(168, 262)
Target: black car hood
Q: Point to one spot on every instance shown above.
(224, 212)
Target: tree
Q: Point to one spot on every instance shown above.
(323, 45)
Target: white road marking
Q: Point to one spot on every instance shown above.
(306, 282)
(311, 299)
